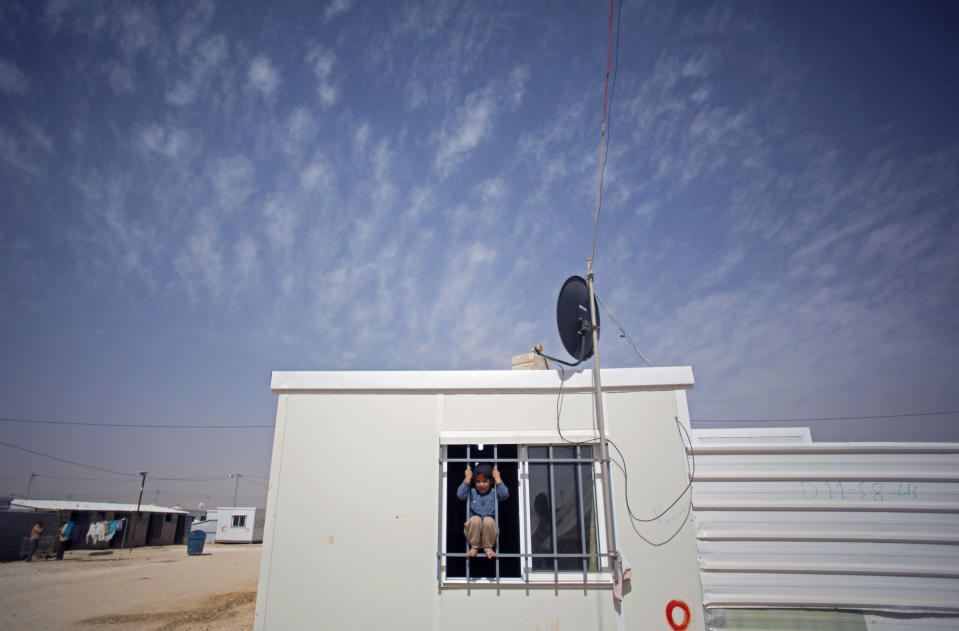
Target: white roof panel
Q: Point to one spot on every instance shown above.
(91, 506)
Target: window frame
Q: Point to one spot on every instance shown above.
(528, 576)
(241, 519)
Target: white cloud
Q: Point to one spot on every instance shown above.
(422, 200)
(328, 94)
(263, 77)
(182, 93)
(301, 129)
(200, 262)
(202, 61)
(24, 148)
(12, 79)
(336, 7)
(360, 139)
(322, 62)
(172, 143)
(37, 136)
(192, 24)
(463, 132)
(247, 258)
(53, 12)
(281, 222)
(232, 180)
(517, 83)
(318, 176)
(120, 77)
(729, 261)
(136, 27)
(492, 190)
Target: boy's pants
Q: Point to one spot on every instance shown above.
(481, 533)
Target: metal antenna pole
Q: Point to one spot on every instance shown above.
(29, 484)
(236, 487)
(604, 453)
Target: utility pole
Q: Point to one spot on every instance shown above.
(236, 487)
(29, 484)
(136, 520)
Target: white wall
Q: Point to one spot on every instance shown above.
(359, 468)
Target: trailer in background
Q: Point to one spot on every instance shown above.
(239, 524)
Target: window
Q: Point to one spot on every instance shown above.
(239, 521)
(550, 527)
(168, 517)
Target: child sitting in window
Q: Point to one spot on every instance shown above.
(480, 529)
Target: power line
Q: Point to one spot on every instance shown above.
(10, 419)
(211, 478)
(73, 462)
(822, 418)
(71, 478)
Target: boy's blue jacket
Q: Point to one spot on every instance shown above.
(482, 505)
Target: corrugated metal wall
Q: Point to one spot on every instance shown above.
(850, 526)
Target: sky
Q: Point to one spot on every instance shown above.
(196, 194)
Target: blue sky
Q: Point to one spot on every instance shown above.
(198, 193)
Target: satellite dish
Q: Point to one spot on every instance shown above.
(573, 318)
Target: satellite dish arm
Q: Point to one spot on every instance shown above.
(558, 361)
(582, 345)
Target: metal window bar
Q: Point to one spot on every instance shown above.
(612, 523)
(467, 519)
(523, 461)
(523, 473)
(496, 510)
(578, 472)
(439, 517)
(552, 513)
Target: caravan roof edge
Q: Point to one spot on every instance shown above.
(479, 380)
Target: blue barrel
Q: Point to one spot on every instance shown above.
(194, 543)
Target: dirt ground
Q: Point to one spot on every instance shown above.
(154, 588)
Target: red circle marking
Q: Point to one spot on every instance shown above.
(669, 614)
(223, 528)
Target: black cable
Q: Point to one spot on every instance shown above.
(68, 477)
(559, 409)
(609, 117)
(633, 518)
(624, 332)
(105, 470)
(9, 419)
(692, 475)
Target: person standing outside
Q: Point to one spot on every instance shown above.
(35, 534)
(63, 537)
